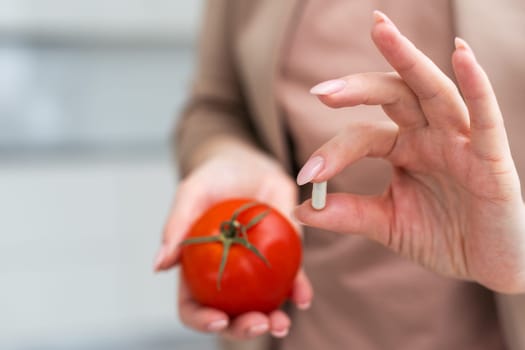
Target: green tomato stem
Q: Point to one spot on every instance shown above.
(233, 232)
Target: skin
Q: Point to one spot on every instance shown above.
(454, 204)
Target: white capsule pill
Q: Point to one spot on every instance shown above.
(319, 195)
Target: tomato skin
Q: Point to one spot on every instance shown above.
(247, 283)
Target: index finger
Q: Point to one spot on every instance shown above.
(438, 95)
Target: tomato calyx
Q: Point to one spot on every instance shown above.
(233, 232)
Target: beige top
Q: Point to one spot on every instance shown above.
(241, 49)
(365, 296)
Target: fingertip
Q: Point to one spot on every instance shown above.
(305, 212)
(328, 87)
(279, 324)
(303, 298)
(380, 17)
(462, 49)
(349, 92)
(338, 100)
(281, 333)
(217, 325)
(310, 170)
(249, 325)
(300, 211)
(467, 70)
(304, 305)
(257, 330)
(461, 44)
(196, 316)
(203, 319)
(384, 32)
(159, 259)
(383, 23)
(166, 258)
(302, 293)
(339, 93)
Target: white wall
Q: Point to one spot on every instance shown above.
(134, 19)
(79, 229)
(77, 243)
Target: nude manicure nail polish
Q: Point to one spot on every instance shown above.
(461, 44)
(380, 17)
(310, 170)
(217, 325)
(328, 87)
(160, 258)
(280, 334)
(304, 306)
(258, 329)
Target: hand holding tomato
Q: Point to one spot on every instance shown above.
(226, 169)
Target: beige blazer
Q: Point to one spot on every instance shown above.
(233, 89)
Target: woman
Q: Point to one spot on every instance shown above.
(250, 124)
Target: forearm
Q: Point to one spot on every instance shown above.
(206, 123)
(216, 108)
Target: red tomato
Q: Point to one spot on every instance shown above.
(257, 273)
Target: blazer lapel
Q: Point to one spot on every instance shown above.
(486, 25)
(259, 48)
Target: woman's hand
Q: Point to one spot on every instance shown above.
(454, 203)
(229, 169)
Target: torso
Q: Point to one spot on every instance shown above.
(367, 297)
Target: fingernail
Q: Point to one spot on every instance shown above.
(258, 329)
(461, 44)
(280, 334)
(294, 217)
(217, 326)
(160, 257)
(380, 17)
(310, 170)
(304, 306)
(328, 87)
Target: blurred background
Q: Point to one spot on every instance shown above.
(89, 91)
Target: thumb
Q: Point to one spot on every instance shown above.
(368, 216)
(189, 202)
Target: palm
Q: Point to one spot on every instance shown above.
(244, 173)
(446, 207)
